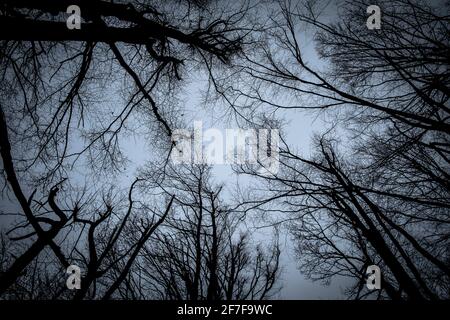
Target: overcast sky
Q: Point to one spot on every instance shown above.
(299, 130)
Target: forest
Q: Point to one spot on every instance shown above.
(93, 101)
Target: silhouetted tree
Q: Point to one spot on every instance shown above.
(379, 195)
(202, 252)
(55, 86)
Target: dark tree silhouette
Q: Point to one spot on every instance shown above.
(374, 190)
(202, 252)
(379, 195)
(55, 87)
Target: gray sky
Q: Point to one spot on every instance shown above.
(299, 130)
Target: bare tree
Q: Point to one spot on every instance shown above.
(382, 197)
(202, 252)
(55, 87)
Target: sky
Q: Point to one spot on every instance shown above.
(300, 127)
